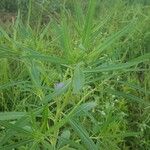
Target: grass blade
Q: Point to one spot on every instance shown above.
(11, 115)
(82, 133)
(16, 145)
(122, 66)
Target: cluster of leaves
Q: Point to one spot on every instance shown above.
(80, 81)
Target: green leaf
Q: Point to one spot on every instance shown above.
(16, 144)
(45, 58)
(11, 115)
(11, 84)
(121, 66)
(6, 52)
(82, 109)
(4, 33)
(83, 134)
(45, 31)
(78, 79)
(64, 137)
(135, 87)
(65, 134)
(129, 97)
(14, 127)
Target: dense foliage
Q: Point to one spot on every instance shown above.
(74, 75)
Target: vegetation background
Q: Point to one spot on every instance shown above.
(74, 74)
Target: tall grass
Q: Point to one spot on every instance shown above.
(80, 81)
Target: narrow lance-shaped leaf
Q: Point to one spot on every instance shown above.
(114, 67)
(82, 109)
(11, 115)
(46, 58)
(129, 97)
(83, 134)
(78, 79)
(16, 145)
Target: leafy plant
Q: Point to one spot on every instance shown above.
(80, 81)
